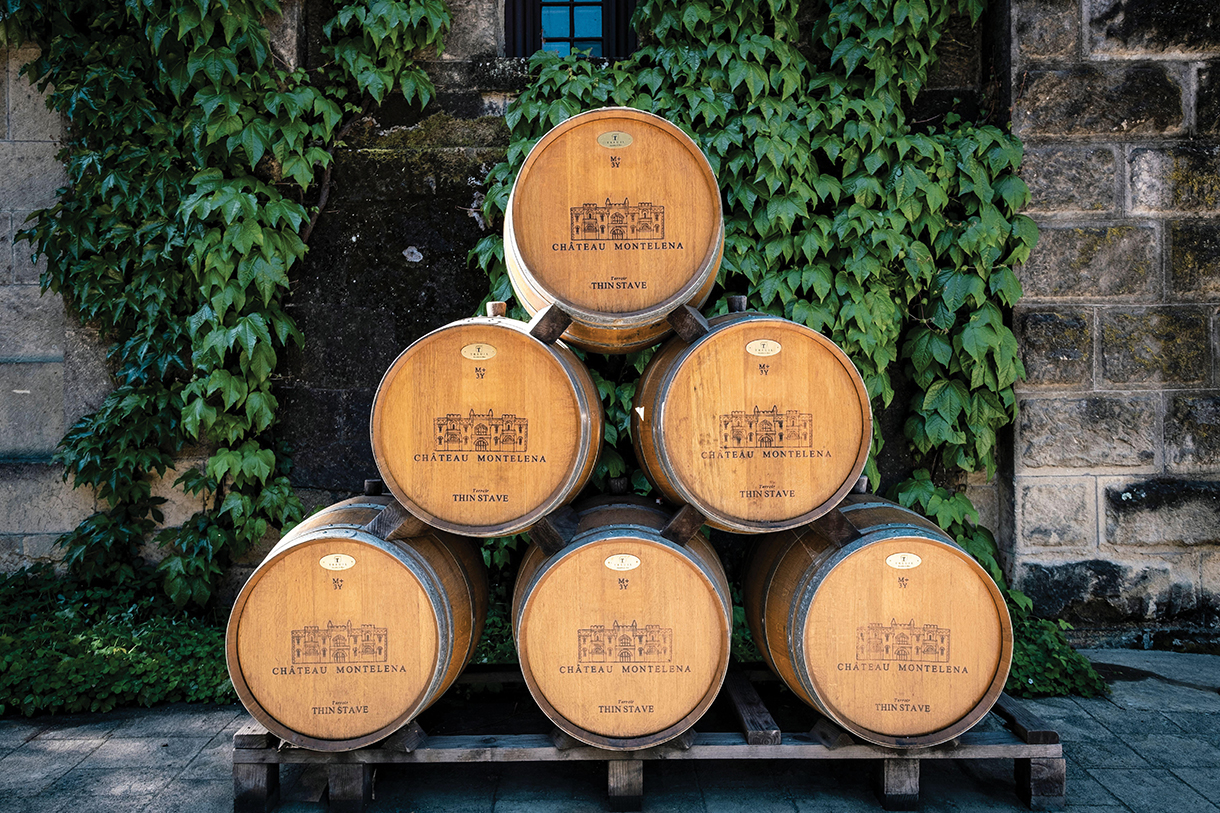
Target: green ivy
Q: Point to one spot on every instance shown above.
(69, 648)
(197, 164)
(897, 243)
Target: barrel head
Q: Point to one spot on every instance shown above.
(479, 429)
(333, 640)
(906, 637)
(623, 638)
(616, 214)
(763, 424)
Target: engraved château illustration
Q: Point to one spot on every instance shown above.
(620, 643)
(340, 643)
(479, 432)
(928, 643)
(766, 430)
(618, 221)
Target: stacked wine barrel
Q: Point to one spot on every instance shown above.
(748, 423)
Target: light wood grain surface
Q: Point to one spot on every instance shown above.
(623, 636)
(616, 216)
(762, 424)
(339, 638)
(480, 429)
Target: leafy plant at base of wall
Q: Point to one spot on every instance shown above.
(897, 244)
(190, 154)
(1042, 661)
(67, 647)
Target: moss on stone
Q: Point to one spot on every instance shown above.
(439, 130)
(1196, 181)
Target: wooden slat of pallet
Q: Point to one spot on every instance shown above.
(897, 784)
(350, 787)
(715, 745)
(1041, 783)
(626, 784)
(756, 721)
(253, 735)
(1025, 724)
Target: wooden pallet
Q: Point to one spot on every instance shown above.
(1039, 766)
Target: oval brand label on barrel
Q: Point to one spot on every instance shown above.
(763, 347)
(337, 561)
(478, 352)
(622, 562)
(903, 561)
(615, 140)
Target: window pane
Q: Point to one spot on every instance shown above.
(594, 47)
(555, 22)
(561, 48)
(588, 21)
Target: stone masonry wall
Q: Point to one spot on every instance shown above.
(1116, 457)
(1117, 447)
(52, 369)
(39, 396)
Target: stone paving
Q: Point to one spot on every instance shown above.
(1153, 745)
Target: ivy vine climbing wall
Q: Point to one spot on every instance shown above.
(197, 163)
(896, 242)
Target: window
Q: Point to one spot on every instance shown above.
(599, 27)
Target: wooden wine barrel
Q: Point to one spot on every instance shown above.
(339, 638)
(616, 217)
(878, 619)
(480, 429)
(623, 636)
(762, 424)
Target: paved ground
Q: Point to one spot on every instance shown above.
(1152, 747)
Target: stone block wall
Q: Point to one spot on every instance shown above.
(1116, 482)
(36, 395)
(52, 369)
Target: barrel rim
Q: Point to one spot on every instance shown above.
(670, 732)
(720, 519)
(798, 614)
(445, 631)
(564, 492)
(708, 266)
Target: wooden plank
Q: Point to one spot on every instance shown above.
(684, 742)
(897, 784)
(549, 324)
(756, 721)
(1041, 783)
(830, 735)
(684, 524)
(395, 522)
(626, 784)
(563, 741)
(256, 788)
(1025, 724)
(688, 323)
(552, 533)
(350, 787)
(407, 739)
(712, 745)
(254, 735)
